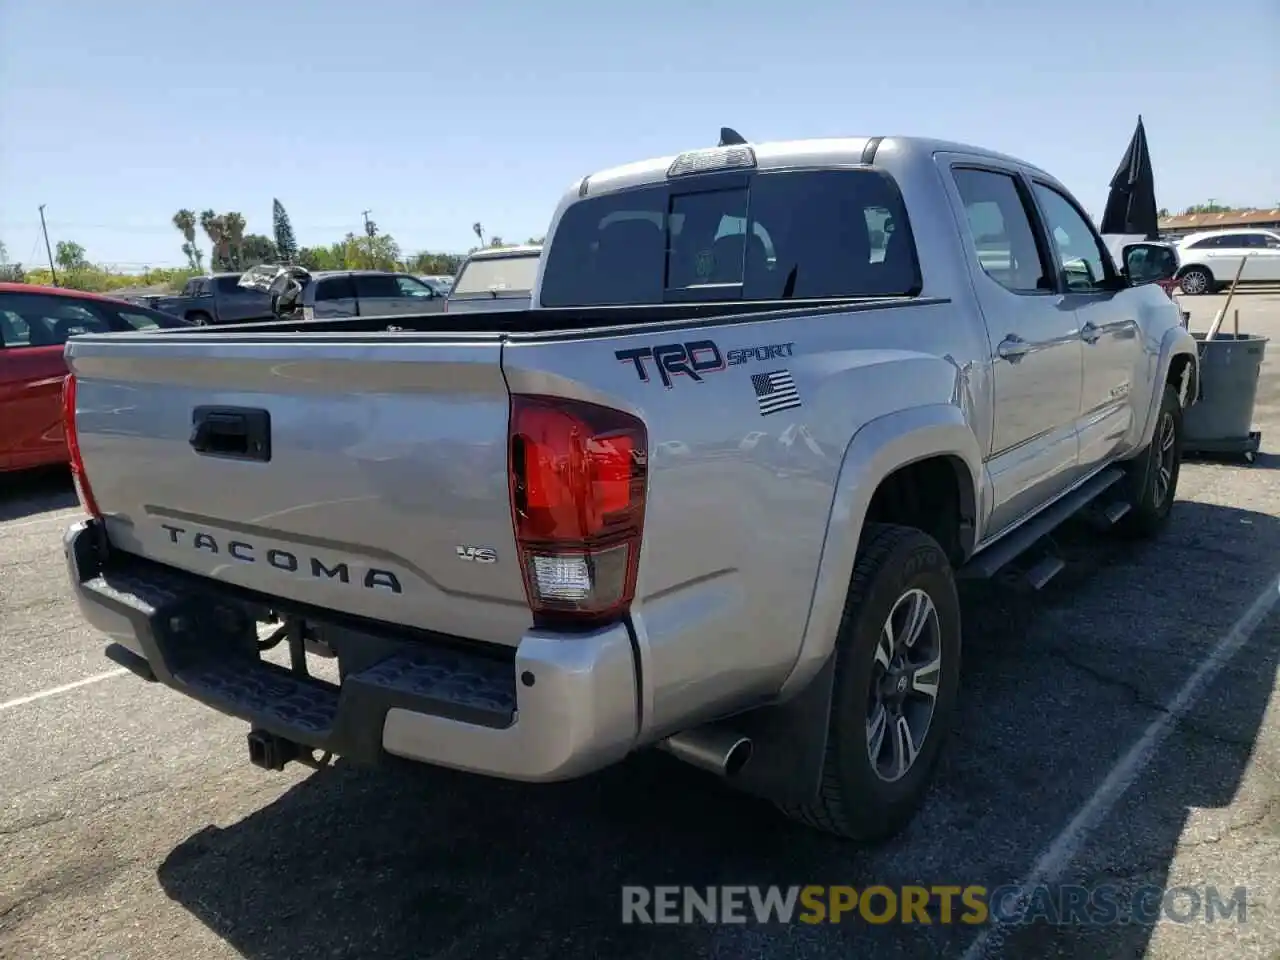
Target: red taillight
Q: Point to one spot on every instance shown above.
(83, 491)
(578, 477)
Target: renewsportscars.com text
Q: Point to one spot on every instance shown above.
(974, 905)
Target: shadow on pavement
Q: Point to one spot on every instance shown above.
(26, 493)
(424, 862)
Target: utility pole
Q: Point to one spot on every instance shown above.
(369, 229)
(45, 231)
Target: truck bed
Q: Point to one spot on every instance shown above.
(344, 463)
(599, 320)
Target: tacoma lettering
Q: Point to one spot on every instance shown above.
(284, 560)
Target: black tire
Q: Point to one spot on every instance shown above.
(200, 319)
(1152, 482)
(1196, 281)
(855, 801)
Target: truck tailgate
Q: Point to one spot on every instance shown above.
(383, 493)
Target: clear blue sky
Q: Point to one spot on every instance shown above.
(435, 115)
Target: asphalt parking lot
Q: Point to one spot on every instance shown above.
(1122, 727)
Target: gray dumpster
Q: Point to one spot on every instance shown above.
(1222, 422)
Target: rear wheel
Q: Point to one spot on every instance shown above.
(897, 675)
(1195, 281)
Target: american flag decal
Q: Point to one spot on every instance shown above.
(775, 391)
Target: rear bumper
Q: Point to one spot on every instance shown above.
(556, 708)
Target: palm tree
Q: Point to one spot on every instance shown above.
(234, 224)
(215, 228)
(185, 221)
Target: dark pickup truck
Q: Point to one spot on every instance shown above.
(217, 299)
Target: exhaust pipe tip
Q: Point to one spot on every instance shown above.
(719, 751)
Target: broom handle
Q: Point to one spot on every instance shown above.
(1217, 321)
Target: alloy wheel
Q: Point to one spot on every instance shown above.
(904, 685)
(1165, 458)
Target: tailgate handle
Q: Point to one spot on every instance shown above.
(239, 433)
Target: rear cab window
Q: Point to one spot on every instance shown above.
(228, 285)
(762, 236)
(509, 276)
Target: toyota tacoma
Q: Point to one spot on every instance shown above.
(710, 492)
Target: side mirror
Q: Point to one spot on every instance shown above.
(1149, 262)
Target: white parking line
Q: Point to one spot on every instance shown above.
(66, 687)
(1059, 854)
(48, 518)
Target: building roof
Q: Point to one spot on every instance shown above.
(1219, 221)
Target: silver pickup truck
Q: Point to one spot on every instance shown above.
(872, 365)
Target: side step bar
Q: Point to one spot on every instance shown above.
(992, 560)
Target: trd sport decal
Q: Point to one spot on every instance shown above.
(691, 360)
(774, 351)
(695, 358)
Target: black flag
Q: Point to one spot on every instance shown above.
(1131, 204)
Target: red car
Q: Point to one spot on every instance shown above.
(35, 323)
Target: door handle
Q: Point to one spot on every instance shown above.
(1090, 333)
(1013, 348)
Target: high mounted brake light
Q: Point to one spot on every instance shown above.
(83, 491)
(577, 482)
(731, 156)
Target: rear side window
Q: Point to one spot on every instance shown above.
(1255, 241)
(1000, 225)
(136, 318)
(335, 288)
(377, 286)
(39, 320)
(225, 285)
(773, 236)
(496, 275)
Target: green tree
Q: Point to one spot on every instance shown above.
(434, 264)
(234, 224)
(315, 258)
(1210, 207)
(9, 272)
(286, 244)
(256, 249)
(379, 252)
(185, 222)
(215, 228)
(70, 256)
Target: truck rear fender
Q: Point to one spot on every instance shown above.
(879, 449)
(790, 736)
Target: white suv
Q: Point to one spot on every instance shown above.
(1210, 260)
